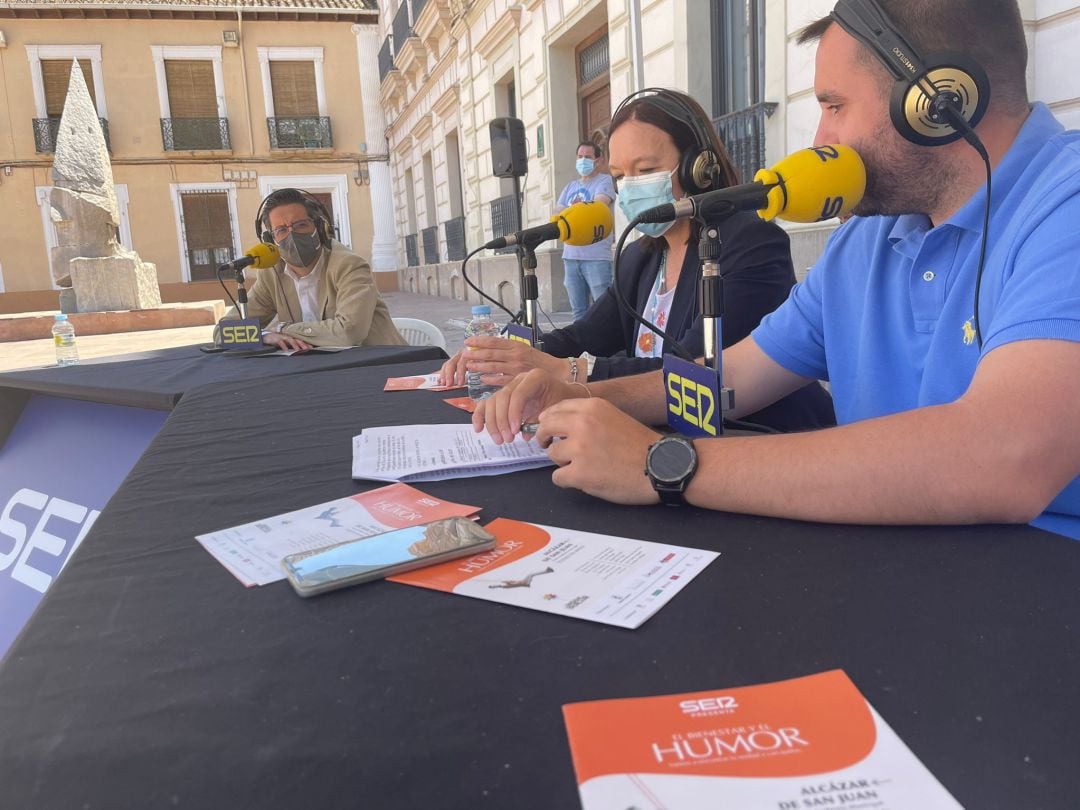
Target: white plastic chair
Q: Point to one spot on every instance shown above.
(420, 333)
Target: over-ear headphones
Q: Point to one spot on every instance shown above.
(932, 97)
(286, 196)
(699, 165)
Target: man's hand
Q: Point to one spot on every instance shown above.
(521, 400)
(287, 342)
(599, 450)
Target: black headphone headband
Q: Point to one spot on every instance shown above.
(868, 22)
(318, 212)
(936, 99)
(699, 165)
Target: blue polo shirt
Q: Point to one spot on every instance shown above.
(886, 313)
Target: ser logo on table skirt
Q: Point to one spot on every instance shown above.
(27, 525)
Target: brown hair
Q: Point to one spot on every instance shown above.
(647, 111)
(597, 151)
(989, 31)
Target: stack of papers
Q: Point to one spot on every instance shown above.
(437, 452)
(253, 552)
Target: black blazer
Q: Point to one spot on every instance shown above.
(755, 263)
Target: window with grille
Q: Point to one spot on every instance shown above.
(207, 232)
(292, 84)
(190, 83)
(55, 75)
(738, 57)
(593, 60)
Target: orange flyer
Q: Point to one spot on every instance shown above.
(808, 742)
(424, 382)
(612, 580)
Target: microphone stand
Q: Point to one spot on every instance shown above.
(712, 310)
(522, 256)
(530, 291)
(241, 293)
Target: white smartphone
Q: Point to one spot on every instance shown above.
(381, 555)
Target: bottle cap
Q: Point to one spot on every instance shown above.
(61, 317)
(481, 309)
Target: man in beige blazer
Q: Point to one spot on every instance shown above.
(320, 293)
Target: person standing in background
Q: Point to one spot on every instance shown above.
(587, 269)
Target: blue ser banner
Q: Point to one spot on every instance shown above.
(60, 465)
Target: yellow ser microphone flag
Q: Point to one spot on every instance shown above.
(813, 184)
(584, 223)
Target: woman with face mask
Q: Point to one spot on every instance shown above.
(649, 138)
(320, 293)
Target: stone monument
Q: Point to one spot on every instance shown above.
(94, 271)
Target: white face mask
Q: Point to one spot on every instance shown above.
(638, 194)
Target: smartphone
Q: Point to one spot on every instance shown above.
(378, 556)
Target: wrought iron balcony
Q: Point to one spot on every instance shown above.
(743, 133)
(194, 134)
(386, 58)
(300, 133)
(47, 129)
(454, 231)
(430, 238)
(412, 255)
(402, 27)
(504, 219)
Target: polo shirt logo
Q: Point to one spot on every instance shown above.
(969, 332)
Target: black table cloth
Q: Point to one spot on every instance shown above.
(158, 379)
(150, 677)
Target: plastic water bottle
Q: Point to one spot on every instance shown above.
(67, 354)
(481, 324)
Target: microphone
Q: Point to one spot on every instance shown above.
(810, 185)
(580, 224)
(262, 255)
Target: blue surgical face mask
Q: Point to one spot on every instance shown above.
(585, 166)
(638, 194)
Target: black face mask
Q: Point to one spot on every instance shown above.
(300, 249)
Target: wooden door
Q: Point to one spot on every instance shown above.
(594, 89)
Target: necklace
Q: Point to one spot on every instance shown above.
(653, 313)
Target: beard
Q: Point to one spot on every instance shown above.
(901, 177)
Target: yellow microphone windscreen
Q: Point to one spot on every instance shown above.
(814, 184)
(584, 223)
(265, 255)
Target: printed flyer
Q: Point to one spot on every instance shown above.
(810, 742)
(253, 552)
(612, 580)
(423, 382)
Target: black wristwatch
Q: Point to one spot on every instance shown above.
(670, 464)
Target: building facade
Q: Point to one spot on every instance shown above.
(206, 107)
(448, 67)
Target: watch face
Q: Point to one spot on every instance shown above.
(670, 460)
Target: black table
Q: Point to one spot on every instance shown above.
(157, 379)
(150, 678)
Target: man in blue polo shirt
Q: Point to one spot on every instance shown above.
(933, 427)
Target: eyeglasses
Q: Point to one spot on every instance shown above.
(299, 226)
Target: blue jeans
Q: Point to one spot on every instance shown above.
(582, 277)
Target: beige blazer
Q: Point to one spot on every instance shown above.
(352, 313)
